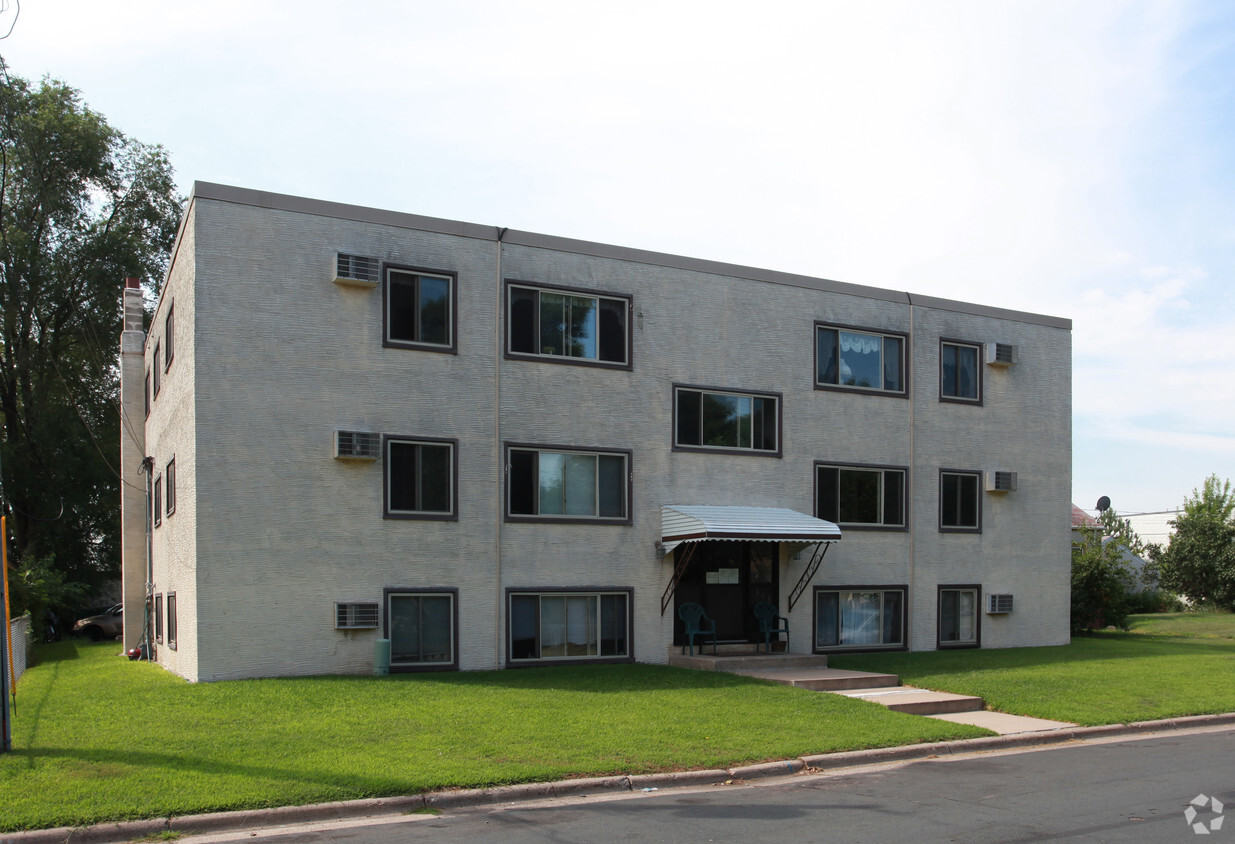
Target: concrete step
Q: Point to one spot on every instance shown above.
(1003, 723)
(823, 679)
(735, 662)
(918, 701)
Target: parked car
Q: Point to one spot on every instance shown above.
(107, 625)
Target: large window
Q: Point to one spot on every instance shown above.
(170, 474)
(860, 496)
(169, 337)
(859, 360)
(860, 617)
(421, 628)
(715, 419)
(960, 508)
(569, 625)
(567, 484)
(571, 325)
(960, 377)
(171, 620)
(158, 618)
(157, 371)
(420, 478)
(958, 616)
(420, 309)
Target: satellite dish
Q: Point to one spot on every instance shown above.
(1104, 504)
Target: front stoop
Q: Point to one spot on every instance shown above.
(823, 679)
(918, 701)
(741, 662)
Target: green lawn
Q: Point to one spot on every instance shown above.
(96, 737)
(1166, 666)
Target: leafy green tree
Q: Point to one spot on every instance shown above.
(81, 207)
(1121, 531)
(1101, 580)
(1199, 562)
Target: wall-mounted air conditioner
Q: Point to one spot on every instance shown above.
(998, 480)
(357, 270)
(1001, 354)
(998, 604)
(355, 616)
(357, 445)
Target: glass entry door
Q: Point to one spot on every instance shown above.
(728, 579)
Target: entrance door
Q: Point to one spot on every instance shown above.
(728, 579)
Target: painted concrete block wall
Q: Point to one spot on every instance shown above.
(282, 357)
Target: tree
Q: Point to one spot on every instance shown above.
(1199, 562)
(81, 207)
(1120, 530)
(1101, 580)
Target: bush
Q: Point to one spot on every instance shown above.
(1101, 581)
(1154, 601)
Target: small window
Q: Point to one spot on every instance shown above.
(563, 626)
(171, 620)
(170, 475)
(960, 377)
(355, 616)
(860, 617)
(960, 507)
(860, 496)
(147, 392)
(158, 618)
(158, 501)
(419, 311)
(715, 419)
(567, 484)
(570, 326)
(169, 337)
(850, 359)
(420, 478)
(157, 370)
(422, 629)
(958, 616)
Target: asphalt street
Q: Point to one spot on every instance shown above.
(1094, 790)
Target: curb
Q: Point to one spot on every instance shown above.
(109, 833)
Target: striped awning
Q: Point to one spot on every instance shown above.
(696, 523)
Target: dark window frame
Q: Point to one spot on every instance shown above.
(558, 518)
(598, 591)
(421, 515)
(172, 621)
(157, 501)
(452, 323)
(976, 588)
(710, 449)
(420, 591)
(148, 396)
(976, 476)
(582, 292)
(867, 467)
(169, 488)
(839, 649)
(169, 337)
(158, 372)
(158, 618)
(903, 336)
(977, 400)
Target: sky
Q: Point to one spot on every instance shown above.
(1062, 158)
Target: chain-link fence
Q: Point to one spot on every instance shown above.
(19, 630)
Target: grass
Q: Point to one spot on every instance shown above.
(1166, 666)
(97, 738)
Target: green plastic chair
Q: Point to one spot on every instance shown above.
(697, 624)
(771, 624)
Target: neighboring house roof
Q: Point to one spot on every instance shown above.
(1081, 519)
(1154, 528)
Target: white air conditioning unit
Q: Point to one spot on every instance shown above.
(357, 270)
(357, 445)
(998, 480)
(1001, 354)
(1000, 604)
(355, 616)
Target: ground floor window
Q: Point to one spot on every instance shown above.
(171, 620)
(569, 625)
(158, 618)
(860, 617)
(421, 628)
(958, 616)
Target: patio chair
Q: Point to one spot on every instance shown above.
(771, 624)
(697, 624)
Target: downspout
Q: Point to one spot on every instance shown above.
(913, 518)
(148, 470)
(500, 484)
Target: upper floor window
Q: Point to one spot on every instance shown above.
(147, 392)
(959, 505)
(860, 496)
(574, 325)
(419, 309)
(169, 337)
(960, 377)
(726, 420)
(157, 503)
(170, 474)
(859, 360)
(420, 478)
(156, 370)
(567, 484)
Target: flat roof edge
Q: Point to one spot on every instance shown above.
(399, 219)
